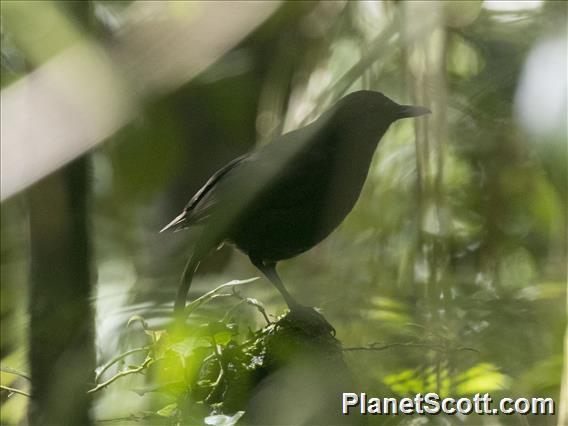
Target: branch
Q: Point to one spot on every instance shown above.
(211, 294)
(466, 348)
(116, 359)
(14, 390)
(249, 301)
(377, 346)
(103, 385)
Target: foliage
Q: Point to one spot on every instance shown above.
(214, 368)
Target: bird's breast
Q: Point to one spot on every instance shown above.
(302, 207)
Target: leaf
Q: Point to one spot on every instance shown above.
(187, 346)
(223, 420)
(156, 335)
(223, 337)
(168, 410)
(483, 377)
(137, 318)
(464, 59)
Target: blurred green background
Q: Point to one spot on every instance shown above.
(454, 258)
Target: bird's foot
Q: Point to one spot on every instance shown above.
(310, 318)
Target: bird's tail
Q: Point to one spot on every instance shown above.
(176, 224)
(187, 277)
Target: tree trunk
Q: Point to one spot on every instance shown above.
(61, 353)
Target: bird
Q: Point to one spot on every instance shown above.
(285, 197)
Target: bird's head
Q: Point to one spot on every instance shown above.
(373, 110)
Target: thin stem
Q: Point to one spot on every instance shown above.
(219, 356)
(376, 347)
(248, 301)
(116, 359)
(14, 390)
(209, 295)
(103, 385)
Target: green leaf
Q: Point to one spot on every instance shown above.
(223, 337)
(168, 410)
(483, 377)
(187, 346)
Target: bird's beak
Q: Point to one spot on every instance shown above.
(406, 111)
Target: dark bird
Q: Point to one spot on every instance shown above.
(284, 198)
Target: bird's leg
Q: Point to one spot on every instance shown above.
(298, 312)
(269, 269)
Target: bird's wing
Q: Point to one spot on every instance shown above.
(275, 176)
(203, 202)
(199, 207)
(282, 174)
(299, 169)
